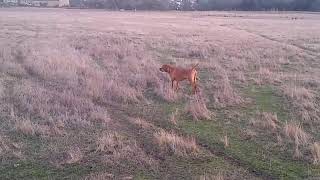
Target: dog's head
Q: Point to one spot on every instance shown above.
(166, 68)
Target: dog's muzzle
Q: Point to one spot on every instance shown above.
(161, 69)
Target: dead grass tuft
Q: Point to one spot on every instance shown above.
(219, 176)
(224, 94)
(266, 121)
(177, 144)
(305, 103)
(265, 76)
(1, 89)
(50, 128)
(249, 134)
(296, 133)
(269, 120)
(173, 117)
(225, 141)
(110, 142)
(117, 148)
(197, 108)
(99, 176)
(300, 138)
(142, 123)
(279, 140)
(264, 72)
(25, 126)
(75, 155)
(298, 93)
(8, 147)
(100, 115)
(315, 151)
(166, 92)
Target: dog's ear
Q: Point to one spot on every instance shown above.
(168, 68)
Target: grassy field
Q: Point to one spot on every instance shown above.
(82, 97)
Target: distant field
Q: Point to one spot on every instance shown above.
(82, 97)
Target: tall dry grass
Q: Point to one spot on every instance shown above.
(267, 121)
(176, 144)
(197, 108)
(173, 117)
(218, 176)
(8, 147)
(315, 151)
(129, 67)
(304, 101)
(59, 89)
(117, 148)
(223, 93)
(296, 134)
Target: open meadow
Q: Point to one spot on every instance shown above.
(82, 97)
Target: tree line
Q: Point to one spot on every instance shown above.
(186, 5)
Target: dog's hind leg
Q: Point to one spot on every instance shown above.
(177, 86)
(194, 88)
(194, 84)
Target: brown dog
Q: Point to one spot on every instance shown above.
(179, 74)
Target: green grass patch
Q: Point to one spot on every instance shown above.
(34, 170)
(266, 99)
(24, 170)
(251, 154)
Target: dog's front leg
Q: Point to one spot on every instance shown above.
(194, 88)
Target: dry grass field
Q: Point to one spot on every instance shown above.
(82, 97)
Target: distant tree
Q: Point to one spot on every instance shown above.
(299, 5)
(143, 4)
(249, 5)
(184, 5)
(75, 3)
(218, 4)
(201, 4)
(315, 6)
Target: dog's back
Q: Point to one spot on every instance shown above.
(180, 74)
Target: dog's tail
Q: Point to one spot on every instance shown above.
(196, 75)
(194, 66)
(195, 86)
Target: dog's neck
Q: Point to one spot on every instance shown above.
(169, 68)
